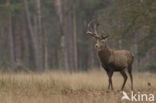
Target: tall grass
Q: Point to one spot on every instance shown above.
(60, 87)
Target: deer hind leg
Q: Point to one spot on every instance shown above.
(123, 73)
(110, 80)
(131, 77)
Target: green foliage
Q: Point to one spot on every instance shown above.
(5, 66)
(20, 67)
(128, 20)
(12, 8)
(146, 43)
(31, 7)
(124, 20)
(151, 67)
(90, 4)
(49, 8)
(3, 13)
(92, 7)
(16, 9)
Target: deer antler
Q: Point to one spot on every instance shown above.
(104, 37)
(95, 35)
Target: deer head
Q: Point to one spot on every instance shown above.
(100, 40)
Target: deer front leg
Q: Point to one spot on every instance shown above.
(123, 73)
(110, 80)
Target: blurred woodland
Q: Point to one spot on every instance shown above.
(39, 35)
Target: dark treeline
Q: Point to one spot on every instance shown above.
(39, 35)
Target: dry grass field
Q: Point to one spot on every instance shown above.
(59, 87)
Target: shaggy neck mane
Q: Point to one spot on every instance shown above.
(104, 54)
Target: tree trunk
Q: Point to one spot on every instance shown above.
(75, 37)
(69, 30)
(59, 10)
(62, 61)
(39, 31)
(18, 43)
(25, 40)
(34, 39)
(65, 14)
(68, 36)
(11, 41)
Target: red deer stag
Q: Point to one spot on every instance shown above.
(112, 60)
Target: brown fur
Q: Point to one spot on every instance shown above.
(115, 60)
(112, 60)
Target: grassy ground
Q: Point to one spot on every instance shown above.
(59, 87)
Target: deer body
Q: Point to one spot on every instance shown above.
(113, 60)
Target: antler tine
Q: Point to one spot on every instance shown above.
(95, 35)
(88, 31)
(92, 34)
(104, 37)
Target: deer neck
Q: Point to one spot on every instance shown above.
(104, 54)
